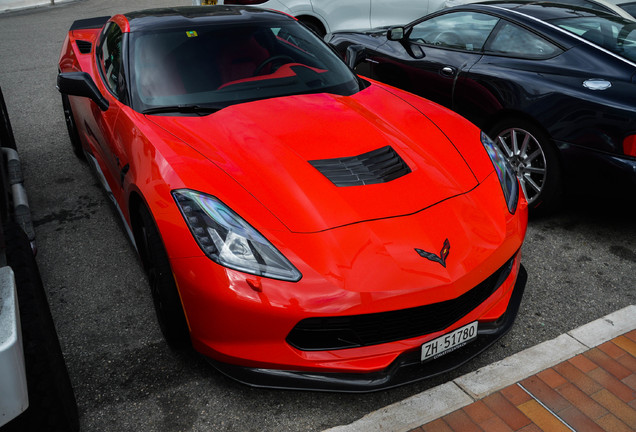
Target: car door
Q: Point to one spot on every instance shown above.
(344, 15)
(434, 54)
(516, 69)
(109, 136)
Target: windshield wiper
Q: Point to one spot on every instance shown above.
(197, 109)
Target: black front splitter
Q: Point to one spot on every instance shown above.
(407, 368)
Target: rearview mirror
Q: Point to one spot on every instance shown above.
(354, 55)
(395, 33)
(81, 84)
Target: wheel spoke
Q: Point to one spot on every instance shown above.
(503, 146)
(532, 183)
(522, 181)
(532, 156)
(515, 146)
(534, 170)
(524, 147)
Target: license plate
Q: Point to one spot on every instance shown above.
(449, 342)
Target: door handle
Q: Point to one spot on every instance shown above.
(448, 71)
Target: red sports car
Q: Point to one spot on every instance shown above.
(300, 226)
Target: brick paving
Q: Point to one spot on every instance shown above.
(593, 391)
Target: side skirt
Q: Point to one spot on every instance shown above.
(102, 179)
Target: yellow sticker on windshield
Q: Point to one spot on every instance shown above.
(192, 33)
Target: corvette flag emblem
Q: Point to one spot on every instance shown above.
(438, 259)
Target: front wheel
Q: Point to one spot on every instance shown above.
(71, 128)
(535, 161)
(163, 288)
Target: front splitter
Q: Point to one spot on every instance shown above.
(407, 368)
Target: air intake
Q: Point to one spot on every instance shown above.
(377, 166)
(338, 332)
(84, 46)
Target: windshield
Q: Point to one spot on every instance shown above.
(211, 67)
(615, 34)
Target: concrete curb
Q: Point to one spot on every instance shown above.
(420, 409)
(17, 5)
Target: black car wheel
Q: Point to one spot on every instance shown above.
(534, 159)
(72, 129)
(6, 132)
(163, 288)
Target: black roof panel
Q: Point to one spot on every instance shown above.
(189, 16)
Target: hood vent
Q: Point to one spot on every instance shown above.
(84, 46)
(377, 166)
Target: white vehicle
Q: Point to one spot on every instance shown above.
(622, 8)
(610, 6)
(629, 6)
(35, 389)
(325, 16)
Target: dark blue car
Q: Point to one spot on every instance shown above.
(553, 85)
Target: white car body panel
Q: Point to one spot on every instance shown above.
(399, 12)
(14, 399)
(336, 15)
(341, 15)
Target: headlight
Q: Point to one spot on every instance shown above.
(505, 172)
(229, 240)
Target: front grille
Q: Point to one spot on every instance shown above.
(377, 166)
(331, 333)
(84, 46)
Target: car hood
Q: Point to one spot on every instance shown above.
(267, 146)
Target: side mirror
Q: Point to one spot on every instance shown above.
(81, 84)
(395, 33)
(354, 55)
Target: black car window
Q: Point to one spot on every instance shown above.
(630, 8)
(512, 40)
(110, 58)
(613, 33)
(457, 30)
(206, 67)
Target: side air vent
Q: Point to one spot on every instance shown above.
(377, 166)
(84, 46)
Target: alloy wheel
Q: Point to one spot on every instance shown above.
(526, 156)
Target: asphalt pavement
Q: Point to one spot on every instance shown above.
(581, 264)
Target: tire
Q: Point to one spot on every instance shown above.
(314, 25)
(163, 288)
(73, 135)
(52, 404)
(6, 132)
(535, 160)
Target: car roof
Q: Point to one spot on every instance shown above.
(545, 10)
(538, 15)
(188, 16)
(599, 5)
